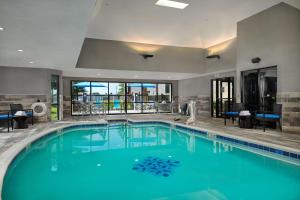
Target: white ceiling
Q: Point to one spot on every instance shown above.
(202, 24)
(51, 32)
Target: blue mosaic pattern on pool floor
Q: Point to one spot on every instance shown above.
(156, 166)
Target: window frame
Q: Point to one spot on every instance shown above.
(125, 95)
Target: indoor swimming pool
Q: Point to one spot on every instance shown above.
(145, 161)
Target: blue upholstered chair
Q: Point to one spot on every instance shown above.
(233, 112)
(265, 117)
(6, 117)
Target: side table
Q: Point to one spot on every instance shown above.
(245, 121)
(20, 122)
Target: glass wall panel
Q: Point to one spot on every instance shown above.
(164, 97)
(134, 107)
(149, 92)
(99, 97)
(164, 93)
(149, 97)
(149, 107)
(116, 98)
(80, 97)
(54, 97)
(134, 97)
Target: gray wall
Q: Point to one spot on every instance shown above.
(274, 36)
(200, 86)
(227, 50)
(26, 86)
(214, 68)
(19, 80)
(107, 54)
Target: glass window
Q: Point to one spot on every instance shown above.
(116, 98)
(134, 107)
(99, 97)
(134, 97)
(54, 97)
(149, 107)
(99, 88)
(164, 93)
(80, 97)
(149, 92)
(134, 92)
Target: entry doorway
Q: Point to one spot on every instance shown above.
(259, 88)
(222, 93)
(54, 97)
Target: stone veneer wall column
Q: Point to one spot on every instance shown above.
(67, 106)
(26, 101)
(290, 110)
(202, 104)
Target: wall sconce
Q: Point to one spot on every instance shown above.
(213, 56)
(256, 60)
(146, 56)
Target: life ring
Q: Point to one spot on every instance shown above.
(39, 109)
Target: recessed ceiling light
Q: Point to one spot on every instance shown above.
(2, 28)
(172, 4)
(31, 62)
(20, 50)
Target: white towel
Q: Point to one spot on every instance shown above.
(20, 113)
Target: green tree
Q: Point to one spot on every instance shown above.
(121, 89)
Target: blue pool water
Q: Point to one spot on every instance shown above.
(145, 162)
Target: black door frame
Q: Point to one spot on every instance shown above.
(57, 95)
(257, 70)
(219, 98)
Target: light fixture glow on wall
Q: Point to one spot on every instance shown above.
(2, 28)
(146, 56)
(213, 56)
(172, 4)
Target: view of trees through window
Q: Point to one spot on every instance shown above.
(116, 98)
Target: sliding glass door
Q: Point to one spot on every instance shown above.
(164, 96)
(221, 96)
(149, 97)
(259, 88)
(81, 91)
(116, 98)
(99, 97)
(54, 97)
(134, 97)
